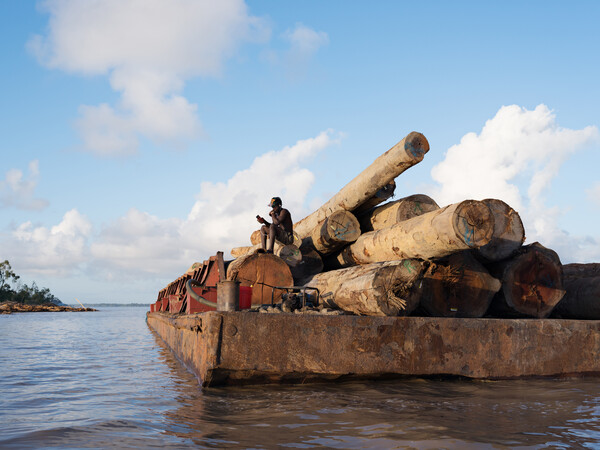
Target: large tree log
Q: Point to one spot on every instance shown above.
(289, 253)
(458, 286)
(262, 271)
(581, 300)
(464, 225)
(379, 289)
(391, 213)
(406, 153)
(256, 240)
(311, 264)
(532, 283)
(383, 194)
(339, 229)
(509, 233)
(578, 270)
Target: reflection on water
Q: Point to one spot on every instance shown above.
(104, 380)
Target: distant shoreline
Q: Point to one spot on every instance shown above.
(13, 307)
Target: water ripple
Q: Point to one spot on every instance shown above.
(104, 380)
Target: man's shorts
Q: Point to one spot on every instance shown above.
(283, 236)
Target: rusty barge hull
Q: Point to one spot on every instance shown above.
(231, 348)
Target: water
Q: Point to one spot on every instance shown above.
(104, 380)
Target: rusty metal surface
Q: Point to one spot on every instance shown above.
(253, 348)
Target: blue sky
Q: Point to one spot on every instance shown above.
(141, 136)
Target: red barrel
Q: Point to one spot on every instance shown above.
(245, 297)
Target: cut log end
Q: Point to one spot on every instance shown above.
(458, 286)
(474, 223)
(536, 284)
(532, 283)
(416, 145)
(509, 233)
(262, 271)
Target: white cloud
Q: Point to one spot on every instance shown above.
(18, 192)
(301, 44)
(515, 145)
(223, 215)
(304, 41)
(145, 246)
(51, 251)
(593, 194)
(148, 48)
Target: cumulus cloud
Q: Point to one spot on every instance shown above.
(224, 212)
(516, 148)
(50, 251)
(139, 244)
(148, 48)
(18, 192)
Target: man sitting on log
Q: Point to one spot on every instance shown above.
(280, 229)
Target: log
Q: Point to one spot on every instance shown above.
(261, 271)
(255, 239)
(383, 194)
(311, 264)
(581, 300)
(406, 153)
(339, 229)
(578, 270)
(509, 233)
(289, 253)
(391, 213)
(464, 225)
(532, 283)
(378, 289)
(458, 286)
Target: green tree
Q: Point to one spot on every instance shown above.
(7, 277)
(22, 294)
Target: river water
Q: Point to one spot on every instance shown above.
(105, 380)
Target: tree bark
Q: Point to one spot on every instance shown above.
(458, 286)
(290, 254)
(581, 300)
(255, 239)
(406, 153)
(339, 229)
(261, 271)
(391, 213)
(464, 225)
(509, 233)
(379, 289)
(311, 264)
(532, 283)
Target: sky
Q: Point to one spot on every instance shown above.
(140, 136)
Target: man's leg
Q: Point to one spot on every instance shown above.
(264, 231)
(271, 238)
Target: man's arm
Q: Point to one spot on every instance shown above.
(261, 220)
(279, 219)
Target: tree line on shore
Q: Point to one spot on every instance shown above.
(13, 291)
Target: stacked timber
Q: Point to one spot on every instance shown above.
(409, 256)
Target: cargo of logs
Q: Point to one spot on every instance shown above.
(404, 257)
(412, 257)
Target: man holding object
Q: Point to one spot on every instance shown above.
(280, 229)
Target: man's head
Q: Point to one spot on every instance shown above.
(275, 202)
